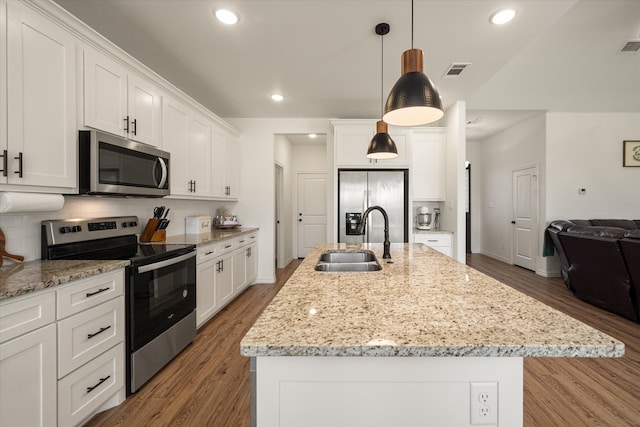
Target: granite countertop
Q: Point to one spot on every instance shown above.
(424, 304)
(32, 276)
(216, 235)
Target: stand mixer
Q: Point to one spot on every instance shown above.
(424, 219)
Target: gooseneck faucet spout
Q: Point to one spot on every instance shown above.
(363, 224)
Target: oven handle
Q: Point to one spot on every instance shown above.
(166, 263)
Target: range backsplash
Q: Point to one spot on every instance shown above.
(22, 231)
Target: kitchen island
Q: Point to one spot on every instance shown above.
(424, 341)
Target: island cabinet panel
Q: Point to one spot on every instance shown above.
(386, 391)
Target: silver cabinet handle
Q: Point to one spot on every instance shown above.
(165, 263)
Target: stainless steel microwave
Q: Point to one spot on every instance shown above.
(111, 165)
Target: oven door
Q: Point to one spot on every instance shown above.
(160, 295)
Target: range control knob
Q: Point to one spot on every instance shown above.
(66, 229)
(76, 228)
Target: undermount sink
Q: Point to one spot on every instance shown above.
(348, 261)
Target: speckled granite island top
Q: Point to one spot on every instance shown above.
(32, 276)
(424, 304)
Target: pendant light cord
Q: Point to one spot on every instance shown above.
(411, 24)
(382, 76)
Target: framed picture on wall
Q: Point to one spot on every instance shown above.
(631, 153)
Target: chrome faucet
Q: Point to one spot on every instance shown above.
(363, 223)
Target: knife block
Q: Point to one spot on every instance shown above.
(151, 232)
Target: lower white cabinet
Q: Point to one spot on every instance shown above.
(62, 352)
(442, 242)
(28, 379)
(224, 269)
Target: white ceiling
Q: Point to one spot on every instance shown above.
(324, 55)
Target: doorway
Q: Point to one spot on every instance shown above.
(525, 217)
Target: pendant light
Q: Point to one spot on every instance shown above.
(413, 100)
(382, 146)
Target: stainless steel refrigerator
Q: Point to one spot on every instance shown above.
(359, 189)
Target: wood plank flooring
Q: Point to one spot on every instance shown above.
(208, 383)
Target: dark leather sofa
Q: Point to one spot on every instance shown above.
(600, 261)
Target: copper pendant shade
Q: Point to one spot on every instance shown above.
(382, 146)
(413, 100)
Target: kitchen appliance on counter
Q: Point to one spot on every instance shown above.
(110, 165)
(359, 189)
(160, 286)
(423, 219)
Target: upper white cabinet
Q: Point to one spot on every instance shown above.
(187, 136)
(352, 138)
(224, 164)
(428, 165)
(39, 146)
(119, 101)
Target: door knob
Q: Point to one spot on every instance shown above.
(513, 222)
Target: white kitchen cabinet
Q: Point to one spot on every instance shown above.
(428, 164)
(119, 101)
(252, 262)
(187, 136)
(206, 265)
(28, 361)
(224, 279)
(442, 242)
(224, 164)
(39, 146)
(352, 138)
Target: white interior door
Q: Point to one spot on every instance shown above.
(279, 237)
(525, 217)
(312, 211)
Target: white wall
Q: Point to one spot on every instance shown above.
(22, 231)
(257, 187)
(283, 156)
(494, 160)
(453, 212)
(584, 150)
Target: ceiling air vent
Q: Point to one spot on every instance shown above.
(631, 46)
(455, 69)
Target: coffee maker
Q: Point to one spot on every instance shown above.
(424, 219)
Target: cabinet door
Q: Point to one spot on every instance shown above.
(144, 111)
(239, 270)
(224, 279)
(41, 97)
(231, 166)
(252, 263)
(352, 142)
(30, 362)
(428, 165)
(175, 139)
(105, 94)
(218, 182)
(205, 291)
(200, 155)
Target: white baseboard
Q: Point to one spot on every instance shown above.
(498, 257)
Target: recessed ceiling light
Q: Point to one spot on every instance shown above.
(313, 135)
(277, 97)
(226, 16)
(502, 16)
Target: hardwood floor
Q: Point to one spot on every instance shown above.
(208, 383)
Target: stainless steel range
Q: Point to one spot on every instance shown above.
(160, 291)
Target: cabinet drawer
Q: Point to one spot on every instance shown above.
(25, 314)
(227, 246)
(86, 389)
(205, 253)
(87, 293)
(433, 239)
(85, 335)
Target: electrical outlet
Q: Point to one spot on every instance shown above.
(484, 403)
